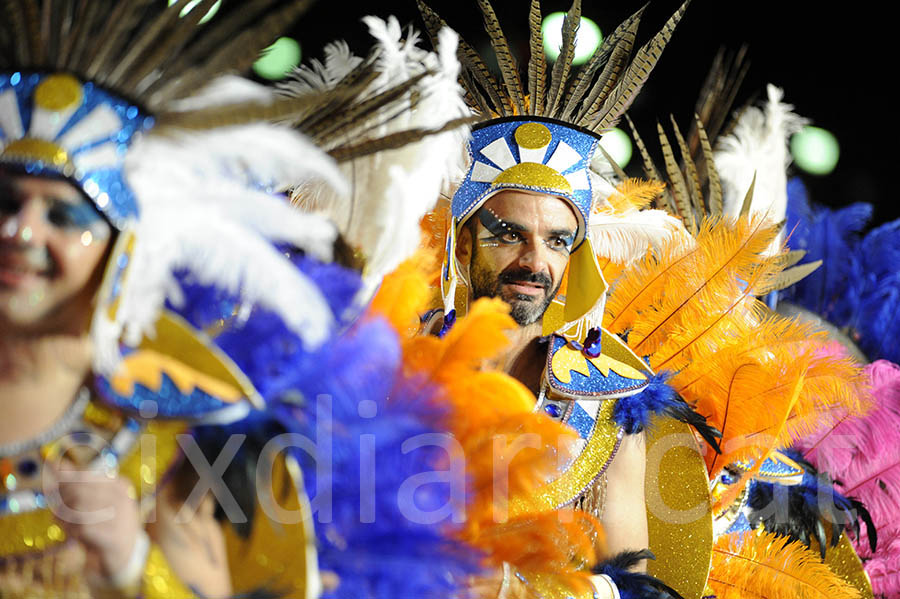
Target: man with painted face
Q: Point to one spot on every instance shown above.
(519, 232)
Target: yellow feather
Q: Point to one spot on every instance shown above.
(632, 194)
(761, 564)
(725, 256)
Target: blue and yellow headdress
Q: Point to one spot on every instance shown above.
(541, 135)
(531, 154)
(134, 109)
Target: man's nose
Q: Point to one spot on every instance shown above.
(26, 226)
(534, 258)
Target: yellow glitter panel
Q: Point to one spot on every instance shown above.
(34, 150)
(575, 478)
(533, 175)
(585, 282)
(189, 358)
(615, 348)
(554, 318)
(159, 581)
(277, 556)
(29, 532)
(566, 360)
(843, 561)
(548, 586)
(533, 136)
(58, 92)
(679, 514)
(144, 469)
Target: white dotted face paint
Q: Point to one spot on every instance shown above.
(10, 228)
(26, 234)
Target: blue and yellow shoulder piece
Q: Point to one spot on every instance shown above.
(179, 368)
(777, 468)
(604, 370)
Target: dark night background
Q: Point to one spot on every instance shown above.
(833, 63)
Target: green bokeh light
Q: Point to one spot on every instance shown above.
(815, 150)
(191, 5)
(618, 145)
(277, 60)
(587, 40)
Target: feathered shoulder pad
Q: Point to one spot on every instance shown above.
(602, 367)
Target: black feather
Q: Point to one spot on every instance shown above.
(634, 585)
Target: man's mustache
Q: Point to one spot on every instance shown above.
(526, 276)
(35, 258)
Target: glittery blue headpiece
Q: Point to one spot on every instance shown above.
(528, 153)
(53, 124)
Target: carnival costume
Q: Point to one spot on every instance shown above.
(218, 297)
(853, 296)
(542, 136)
(232, 315)
(765, 380)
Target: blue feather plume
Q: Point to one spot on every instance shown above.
(858, 286)
(635, 412)
(351, 400)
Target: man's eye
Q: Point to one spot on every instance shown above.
(559, 243)
(9, 204)
(511, 237)
(62, 217)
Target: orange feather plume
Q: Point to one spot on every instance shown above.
(725, 257)
(765, 565)
(405, 293)
(631, 194)
(487, 411)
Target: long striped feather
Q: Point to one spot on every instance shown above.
(223, 30)
(238, 54)
(16, 21)
(537, 63)
(583, 80)
(143, 40)
(84, 34)
(714, 198)
(170, 44)
(696, 192)
(471, 63)
(505, 60)
(121, 20)
(560, 74)
(678, 186)
(612, 71)
(636, 75)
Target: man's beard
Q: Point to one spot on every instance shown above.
(525, 309)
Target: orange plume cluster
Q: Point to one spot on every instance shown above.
(509, 450)
(758, 377)
(766, 565)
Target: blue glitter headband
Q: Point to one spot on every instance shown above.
(528, 153)
(53, 124)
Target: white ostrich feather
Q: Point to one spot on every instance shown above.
(206, 207)
(394, 189)
(758, 145)
(316, 76)
(625, 239)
